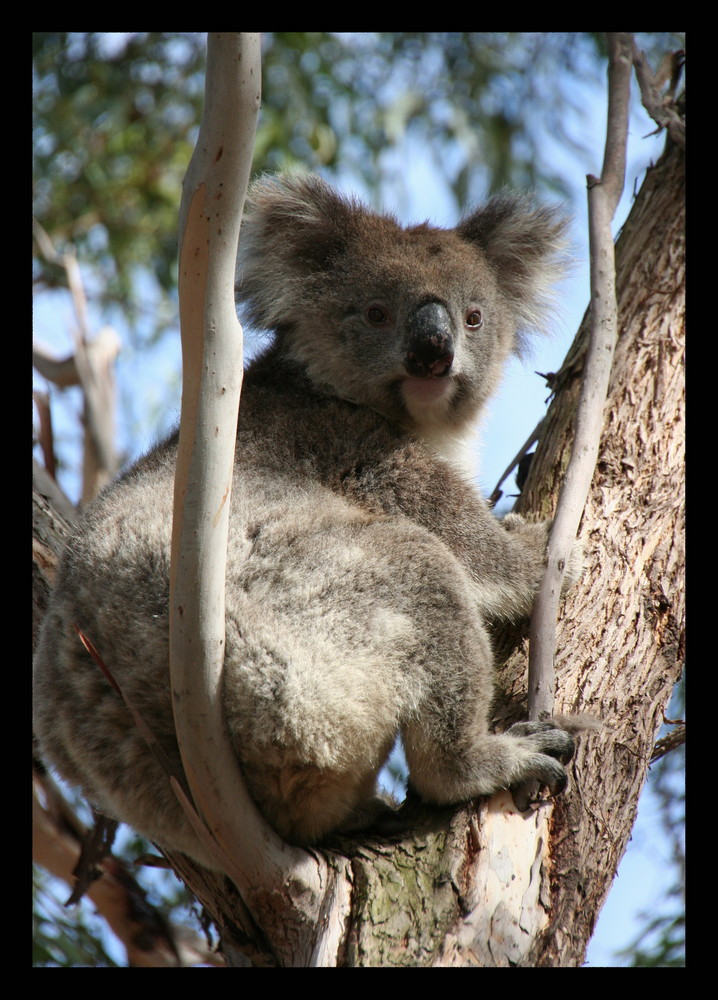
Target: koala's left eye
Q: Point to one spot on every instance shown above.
(377, 315)
(474, 319)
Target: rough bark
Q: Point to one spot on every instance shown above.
(621, 643)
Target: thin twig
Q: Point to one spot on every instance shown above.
(90, 367)
(603, 197)
(668, 743)
(523, 450)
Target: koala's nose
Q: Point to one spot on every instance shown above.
(430, 352)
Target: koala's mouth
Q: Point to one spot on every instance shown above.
(427, 390)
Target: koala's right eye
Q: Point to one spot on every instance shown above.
(377, 315)
(474, 319)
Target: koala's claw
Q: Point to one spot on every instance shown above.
(554, 747)
(526, 794)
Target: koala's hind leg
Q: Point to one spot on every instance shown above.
(304, 802)
(453, 757)
(337, 634)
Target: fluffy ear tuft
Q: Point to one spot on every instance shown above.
(295, 229)
(526, 245)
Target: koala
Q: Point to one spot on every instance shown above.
(363, 564)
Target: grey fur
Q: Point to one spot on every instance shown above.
(363, 564)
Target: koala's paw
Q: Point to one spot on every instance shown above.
(575, 566)
(516, 522)
(552, 748)
(535, 533)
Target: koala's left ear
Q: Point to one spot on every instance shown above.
(526, 246)
(296, 228)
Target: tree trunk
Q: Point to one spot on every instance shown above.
(484, 885)
(621, 644)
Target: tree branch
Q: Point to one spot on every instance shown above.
(603, 197)
(90, 367)
(661, 110)
(213, 197)
(212, 202)
(671, 741)
(57, 836)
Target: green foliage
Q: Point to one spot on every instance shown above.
(471, 99)
(661, 944)
(116, 115)
(114, 124)
(64, 938)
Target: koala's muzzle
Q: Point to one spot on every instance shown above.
(430, 352)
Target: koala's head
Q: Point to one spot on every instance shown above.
(415, 322)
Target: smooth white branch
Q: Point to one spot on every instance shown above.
(212, 203)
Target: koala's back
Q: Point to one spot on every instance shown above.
(113, 584)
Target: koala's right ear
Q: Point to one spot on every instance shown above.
(526, 246)
(295, 229)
